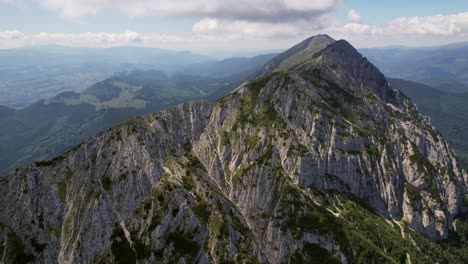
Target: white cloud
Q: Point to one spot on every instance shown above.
(354, 16)
(412, 31)
(219, 20)
(442, 25)
(250, 10)
(103, 39)
(8, 2)
(14, 38)
(236, 34)
(17, 3)
(244, 30)
(87, 39)
(11, 34)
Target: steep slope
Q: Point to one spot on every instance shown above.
(69, 118)
(297, 54)
(321, 162)
(448, 111)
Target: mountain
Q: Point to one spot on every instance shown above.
(229, 66)
(23, 86)
(298, 54)
(49, 127)
(61, 55)
(320, 162)
(448, 112)
(442, 67)
(30, 74)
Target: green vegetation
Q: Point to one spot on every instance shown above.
(62, 188)
(297, 148)
(44, 163)
(363, 236)
(313, 253)
(457, 244)
(421, 161)
(16, 252)
(71, 118)
(239, 173)
(267, 116)
(183, 243)
(187, 181)
(266, 154)
(224, 138)
(106, 183)
(372, 151)
(336, 100)
(202, 210)
(251, 141)
(121, 248)
(414, 195)
(194, 162)
(448, 112)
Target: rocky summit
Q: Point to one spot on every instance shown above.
(318, 160)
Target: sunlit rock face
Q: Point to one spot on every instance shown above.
(317, 159)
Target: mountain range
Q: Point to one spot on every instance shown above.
(315, 160)
(31, 74)
(442, 67)
(49, 127)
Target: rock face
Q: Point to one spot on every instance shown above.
(298, 54)
(316, 161)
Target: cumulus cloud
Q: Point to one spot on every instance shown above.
(243, 29)
(417, 30)
(442, 25)
(88, 39)
(219, 20)
(354, 16)
(14, 38)
(250, 10)
(11, 34)
(227, 34)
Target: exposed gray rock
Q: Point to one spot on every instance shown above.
(267, 174)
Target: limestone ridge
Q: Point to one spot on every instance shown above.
(298, 54)
(318, 161)
(354, 67)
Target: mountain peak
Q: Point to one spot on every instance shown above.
(298, 53)
(349, 65)
(320, 39)
(300, 161)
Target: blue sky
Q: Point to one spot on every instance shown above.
(378, 12)
(241, 25)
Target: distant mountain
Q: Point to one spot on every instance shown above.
(59, 55)
(442, 67)
(48, 127)
(228, 66)
(448, 111)
(30, 74)
(22, 86)
(316, 162)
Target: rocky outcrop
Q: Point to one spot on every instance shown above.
(317, 160)
(298, 54)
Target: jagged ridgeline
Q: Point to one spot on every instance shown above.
(316, 161)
